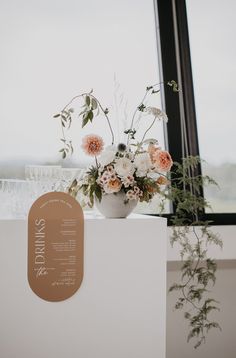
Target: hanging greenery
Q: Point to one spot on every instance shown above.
(193, 234)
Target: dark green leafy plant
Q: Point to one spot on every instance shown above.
(193, 234)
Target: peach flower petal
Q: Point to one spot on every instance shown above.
(162, 160)
(92, 144)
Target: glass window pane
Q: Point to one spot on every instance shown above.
(53, 50)
(212, 31)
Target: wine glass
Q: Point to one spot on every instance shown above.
(46, 177)
(68, 175)
(15, 198)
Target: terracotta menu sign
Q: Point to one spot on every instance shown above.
(55, 246)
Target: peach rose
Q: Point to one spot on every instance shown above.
(152, 149)
(162, 160)
(113, 186)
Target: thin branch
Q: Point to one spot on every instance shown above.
(145, 133)
(149, 88)
(102, 109)
(80, 95)
(96, 161)
(136, 110)
(107, 118)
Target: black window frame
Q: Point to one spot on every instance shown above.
(175, 55)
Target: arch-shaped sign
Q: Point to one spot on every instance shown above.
(55, 246)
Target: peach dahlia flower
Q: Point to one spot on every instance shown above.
(92, 144)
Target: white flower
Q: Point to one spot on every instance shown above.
(107, 156)
(110, 169)
(124, 167)
(153, 175)
(143, 164)
(104, 178)
(131, 195)
(134, 194)
(129, 153)
(157, 113)
(128, 181)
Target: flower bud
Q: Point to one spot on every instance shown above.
(121, 147)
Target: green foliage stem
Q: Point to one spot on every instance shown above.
(90, 110)
(193, 235)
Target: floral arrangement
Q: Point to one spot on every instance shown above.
(137, 168)
(140, 170)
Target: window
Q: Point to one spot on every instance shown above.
(53, 50)
(208, 141)
(213, 50)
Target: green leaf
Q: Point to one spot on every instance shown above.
(94, 103)
(98, 193)
(179, 305)
(70, 121)
(187, 315)
(90, 115)
(175, 286)
(71, 148)
(85, 121)
(64, 117)
(174, 86)
(141, 107)
(87, 100)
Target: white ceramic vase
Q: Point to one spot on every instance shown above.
(114, 206)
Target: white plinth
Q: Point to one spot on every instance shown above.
(119, 311)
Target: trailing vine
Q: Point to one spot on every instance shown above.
(193, 234)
